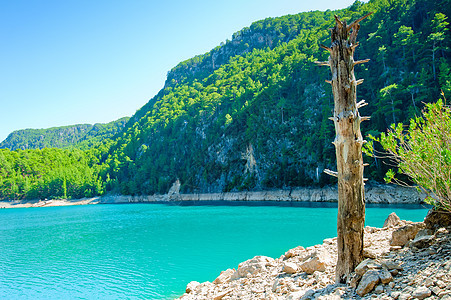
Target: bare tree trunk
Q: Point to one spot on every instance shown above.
(348, 147)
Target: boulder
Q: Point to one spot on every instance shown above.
(297, 295)
(390, 264)
(421, 292)
(367, 264)
(317, 262)
(221, 295)
(422, 241)
(290, 268)
(353, 279)
(293, 252)
(369, 253)
(437, 219)
(392, 220)
(224, 277)
(191, 287)
(254, 265)
(404, 234)
(379, 289)
(385, 276)
(369, 280)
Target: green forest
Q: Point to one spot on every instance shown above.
(81, 136)
(251, 114)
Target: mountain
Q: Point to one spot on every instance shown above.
(253, 113)
(82, 136)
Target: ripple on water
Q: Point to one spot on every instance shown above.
(148, 251)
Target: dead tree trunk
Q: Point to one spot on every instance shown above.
(348, 146)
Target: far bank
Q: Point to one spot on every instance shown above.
(374, 194)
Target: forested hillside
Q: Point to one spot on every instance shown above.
(82, 136)
(253, 112)
(48, 173)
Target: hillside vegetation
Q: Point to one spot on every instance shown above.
(253, 112)
(82, 136)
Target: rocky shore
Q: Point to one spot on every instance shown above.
(404, 260)
(374, 193)
(46, 203)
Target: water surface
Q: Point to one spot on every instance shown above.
(151, 251)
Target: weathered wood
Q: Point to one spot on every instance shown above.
(322, 63)
(331, 173)
(361, 103)
(348, 147)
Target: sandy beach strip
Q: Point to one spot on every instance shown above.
(45, 203)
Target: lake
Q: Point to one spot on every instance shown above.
(152, 251)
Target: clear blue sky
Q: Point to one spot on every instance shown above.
(67, 62)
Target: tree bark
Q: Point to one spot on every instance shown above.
(348, 147)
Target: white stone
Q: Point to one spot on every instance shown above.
(421, 292)
(293, 252)
(224, 277)
(191, 287)
(290, 268)
(317, 262)
(254, 265)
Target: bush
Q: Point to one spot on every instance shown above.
(422, 152)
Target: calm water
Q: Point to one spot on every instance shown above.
(150, 251)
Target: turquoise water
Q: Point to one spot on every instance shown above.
(151, 251)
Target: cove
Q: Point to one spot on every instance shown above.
(151, 251)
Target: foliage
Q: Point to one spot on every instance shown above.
(422, 152)
(260, 91)
(253, 112)
(82, 136)
(48, 173)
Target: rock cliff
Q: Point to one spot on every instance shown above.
(376, 194)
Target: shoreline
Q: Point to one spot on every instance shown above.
(402, 260)
(374, 194)
(47, 203)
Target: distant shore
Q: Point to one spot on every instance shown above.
(377, 194)
(46, 203)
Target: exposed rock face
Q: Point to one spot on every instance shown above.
(373, 194)
(405, 233)
(403, 273)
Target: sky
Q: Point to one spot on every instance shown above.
(94, 61)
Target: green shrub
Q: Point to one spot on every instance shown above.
(423, 152)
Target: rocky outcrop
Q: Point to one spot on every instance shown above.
(416, 271)
(406, 233)
(377, 194)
